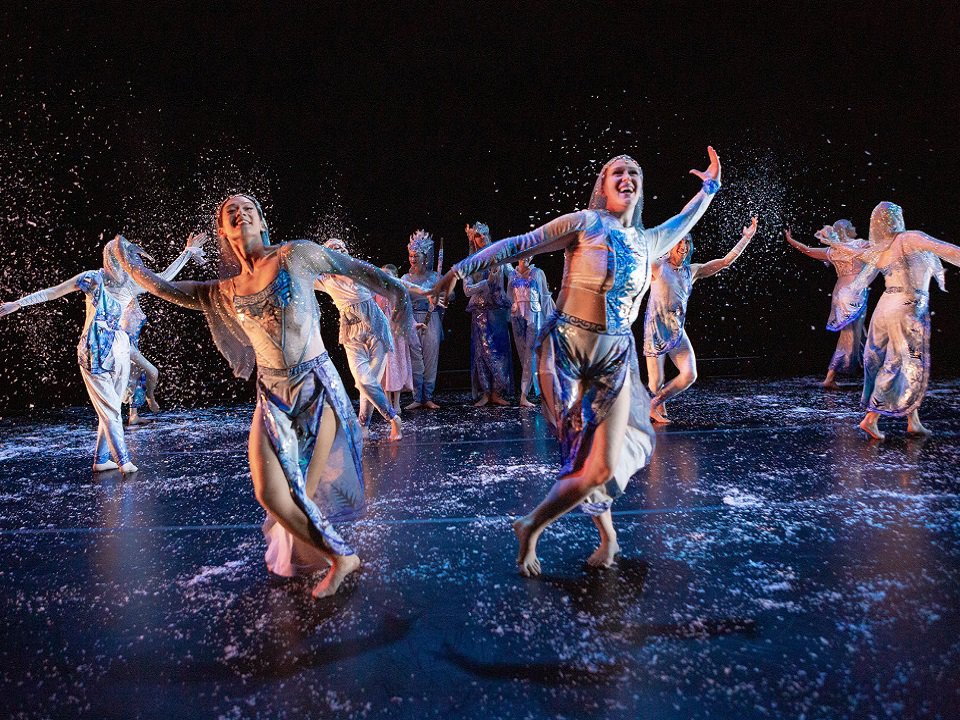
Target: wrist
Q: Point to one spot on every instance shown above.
(710, 186)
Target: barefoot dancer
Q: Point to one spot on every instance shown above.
(143, 373)
(491, 359)
(672, 279)
(844, 255)
(305, 440)
(531, 309)
(425, 345)
(365, 336)
(397, 371)
(587, 362)
(103, 354)
(896, 361)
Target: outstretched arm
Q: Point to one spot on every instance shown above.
(815, 253)
(42, 296)
(943, 250)
(194, 249)
(668, 234)
(182, 293)
(714, 266)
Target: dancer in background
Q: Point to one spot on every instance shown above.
(305, 441)
(896, 360)
(664, 334)
(587, 361)
(397, 370)
(531, 308)
(143, 373)
(491, 359)
(425, 344)
(366, 338)
(103, 354)
(844, 255)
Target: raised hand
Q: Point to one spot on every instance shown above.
(750, 230)
(713, 171)
(9, 307)
(441, 290)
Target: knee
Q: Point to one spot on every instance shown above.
(271, 499)
(598, 473)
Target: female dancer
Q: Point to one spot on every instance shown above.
(587, 363)
(425, 344)
(672, 279)
(305, 440)
(491, 359)
(366, 338)
(143, 373)
(844, 255)
(896, 362)
(103, 353)
(397, 370)
(530, 311)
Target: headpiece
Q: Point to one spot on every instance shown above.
(598, 201)
(421, 242)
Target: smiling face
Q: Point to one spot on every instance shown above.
(681, 252)
(621, 186)
(418, 261)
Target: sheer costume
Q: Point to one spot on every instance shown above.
(491, 357)
(846, 318)
(896, 360)
(587, 348)
(366, 338)
(530, 310)
(397, 370)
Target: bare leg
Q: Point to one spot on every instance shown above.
(606, 553)
(686, 361)
(655, 375)
(568, 491)
(830, 382)
(153, 376)
(273, 493)
(870, 427)
(914, 426)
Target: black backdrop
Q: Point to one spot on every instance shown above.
(367, 122)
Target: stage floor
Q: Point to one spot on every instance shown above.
(775, 564)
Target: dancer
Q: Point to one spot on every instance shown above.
(366, 338)
(587, 363)
(491, 359)
(305, 441)
(143, 373)
(103, 354)
(397, 371)
(425, 344)
(664, 334)
(896, 361)
(531, 309)
(844, 255)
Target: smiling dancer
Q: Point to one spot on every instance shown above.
(531, 308)
(587, 364)
(896, 360)
(366, 338)
(305, 441)
(491, 359)
(849, 322)
(664, 334)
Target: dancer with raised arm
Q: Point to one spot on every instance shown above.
(664, 332)
(896, 359)
(530, 310)
(103, 353)
(425, 344)
(844, 256)
(366, 338)
(143, 373)
(305, 440)
(587, 363)
(491, 358)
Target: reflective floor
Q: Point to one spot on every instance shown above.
(775, 564)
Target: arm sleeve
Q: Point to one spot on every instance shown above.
(669, 233)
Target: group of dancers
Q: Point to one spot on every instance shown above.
(579, 353)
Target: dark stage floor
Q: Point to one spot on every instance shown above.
(775, 564)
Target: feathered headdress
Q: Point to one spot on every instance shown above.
(421, 242)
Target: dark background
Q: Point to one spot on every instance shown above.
(367, 121)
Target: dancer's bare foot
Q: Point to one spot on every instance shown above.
(831, 385)
(527, 559)
(915, 427)
(431, 405)
(413, 406)
(484, 399)
(129, 468)
(342, 566)
(497, 400)
(525, 403)
(658, 417)
(153, 404)
(605, 555)
(104, 466)
(133, 418)
(869, 426)
(396, 428)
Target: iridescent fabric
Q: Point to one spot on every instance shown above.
(666, 309)
(132, 322)
(531, 308)
(106, 390)
(102, 324)
(397, 370)
(491, 357)
(425, 345)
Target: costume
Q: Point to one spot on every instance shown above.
(845, 318)
(425, 345)
(606, 273)
(491, 359)
(667, 308)
(397, 370)
(531, 307)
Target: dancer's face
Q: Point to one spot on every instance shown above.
(240, 222)
(679, 252)
(417, 261)
(621, 186)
